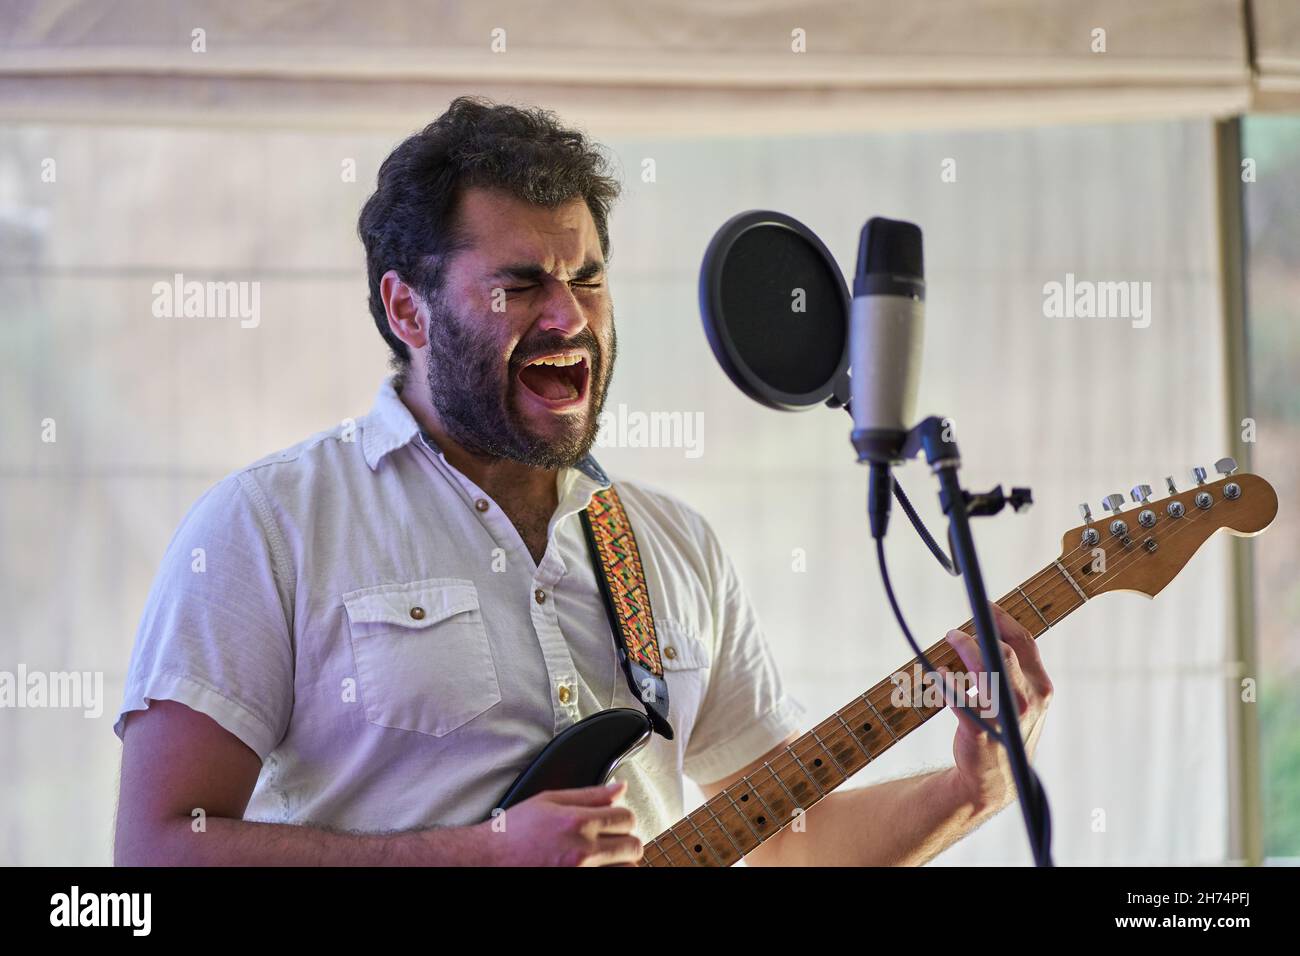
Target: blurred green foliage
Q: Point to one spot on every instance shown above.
(1272, 211)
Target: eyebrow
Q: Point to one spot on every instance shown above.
(532, 272)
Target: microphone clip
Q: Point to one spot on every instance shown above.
(979, 505)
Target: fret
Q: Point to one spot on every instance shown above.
(880, 718)
(704, 841)
(915, 678)
(838, 765)
(739, 852)
(811, 779)
(770, 812)
(872, 726)
(689, 855)
(1073, 583)
(1034, 607)
(902, 720)
(877, 740)
(794, 804)
(822, 774)
(757, 838)
(866, 753)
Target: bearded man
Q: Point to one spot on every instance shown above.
(393, 619)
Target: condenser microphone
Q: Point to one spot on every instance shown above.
(885, 325)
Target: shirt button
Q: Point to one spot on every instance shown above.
(565, 693)
(670, 652)
(540, 595)
(481, 504)
(417, 612)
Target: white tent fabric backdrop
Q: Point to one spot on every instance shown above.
(152, 411)
(654, 65)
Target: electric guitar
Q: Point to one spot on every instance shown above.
(1138, 551)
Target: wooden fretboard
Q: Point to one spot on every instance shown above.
(763, 803)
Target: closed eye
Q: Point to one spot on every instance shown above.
(580, 285)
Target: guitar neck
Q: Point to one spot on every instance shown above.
(760, 805)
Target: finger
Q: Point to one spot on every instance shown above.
(1014, 674)
(588, 796)
(966, 647)
(1005, 622)
(1031, 661)
(958, 707)
(597, 820)
(972, 654)
(613, 850)
(1027, 674)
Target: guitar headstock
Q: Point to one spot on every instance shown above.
(1159, 537)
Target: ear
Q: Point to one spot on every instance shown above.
(407, 316)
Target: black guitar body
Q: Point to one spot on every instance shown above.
(584, 755)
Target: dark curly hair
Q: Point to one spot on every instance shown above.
(409, 224)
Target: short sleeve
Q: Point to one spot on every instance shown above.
(215, 633)
(746, 710)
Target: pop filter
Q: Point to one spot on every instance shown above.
(776, 311)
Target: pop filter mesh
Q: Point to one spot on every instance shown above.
(793, 343)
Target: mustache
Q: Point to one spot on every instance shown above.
(545, 345)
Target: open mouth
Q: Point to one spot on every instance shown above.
(558, 381)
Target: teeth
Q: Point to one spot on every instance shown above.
(558, 360)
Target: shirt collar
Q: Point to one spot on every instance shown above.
(390, 426)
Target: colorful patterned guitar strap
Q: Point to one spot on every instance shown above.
(619, 571)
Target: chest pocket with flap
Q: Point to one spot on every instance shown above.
(422, 655)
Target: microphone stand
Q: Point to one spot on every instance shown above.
(944, 459)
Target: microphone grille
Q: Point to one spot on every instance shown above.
(890, 247)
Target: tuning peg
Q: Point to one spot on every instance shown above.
(1140, 493)
(1225, 466)
(1198, 475)
(1169, 483)
(1113, 503)
(1086, 512)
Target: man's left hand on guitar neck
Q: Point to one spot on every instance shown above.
(982, 772)
(910, 820)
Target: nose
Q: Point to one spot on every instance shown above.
(562, 313)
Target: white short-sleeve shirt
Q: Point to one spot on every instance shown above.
(293, 629)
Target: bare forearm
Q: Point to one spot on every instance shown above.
(903, 822)
(226, 842)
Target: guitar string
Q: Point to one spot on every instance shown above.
(1052, 572)
(839, 715)
(1058, 585)
(1068, 557)
(1191, 509)
(1157, 535)
(1126, 560)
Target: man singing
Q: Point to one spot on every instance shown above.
(392, 618)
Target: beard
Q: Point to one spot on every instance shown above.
(471, 390)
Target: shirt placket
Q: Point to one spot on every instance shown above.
(560, 670)
(562, 675)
